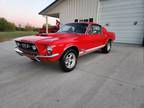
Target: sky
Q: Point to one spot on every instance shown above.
(25, 11)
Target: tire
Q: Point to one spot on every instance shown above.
(68, 60)
(34, 60)
(107, 47)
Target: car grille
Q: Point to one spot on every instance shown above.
(27, 47)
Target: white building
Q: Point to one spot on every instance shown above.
(124, 17)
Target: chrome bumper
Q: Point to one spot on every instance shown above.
(37, 56)
(18, 51)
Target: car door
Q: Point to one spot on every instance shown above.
(86, 40)
(91, 39)
(96, 35)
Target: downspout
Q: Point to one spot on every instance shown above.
(98, 11)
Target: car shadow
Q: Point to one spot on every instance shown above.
(55, 67)
(47, 66)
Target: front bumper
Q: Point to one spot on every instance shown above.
(37, 57)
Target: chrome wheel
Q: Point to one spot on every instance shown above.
(70, 60)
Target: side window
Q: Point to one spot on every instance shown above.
(95, 29)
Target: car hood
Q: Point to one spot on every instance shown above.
(47, 38)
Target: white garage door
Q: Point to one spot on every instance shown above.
(125, 18)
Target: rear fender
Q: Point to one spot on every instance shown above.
(110, 37)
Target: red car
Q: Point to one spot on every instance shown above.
(70, 42)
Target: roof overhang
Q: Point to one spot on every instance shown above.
(56, 15)
(50, 7)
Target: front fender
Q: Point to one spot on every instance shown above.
(63, 48)
(70, 45)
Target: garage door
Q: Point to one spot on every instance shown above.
(125, 18)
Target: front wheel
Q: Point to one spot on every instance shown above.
(69, 60)
(107, 47)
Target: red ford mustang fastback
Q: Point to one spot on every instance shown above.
(65, 46)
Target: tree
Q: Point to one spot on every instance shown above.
(6, 26)
(28, 28)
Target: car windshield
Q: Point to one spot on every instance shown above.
(74, 28)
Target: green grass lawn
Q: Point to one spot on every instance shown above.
(11, 35)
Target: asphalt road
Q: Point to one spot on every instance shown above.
(114, 80)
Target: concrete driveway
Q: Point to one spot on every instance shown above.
(115, 80)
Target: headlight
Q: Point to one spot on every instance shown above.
(18, 44)
(49, 48)
(34, 47)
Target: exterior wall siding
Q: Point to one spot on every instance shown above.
(120, 16)
(76, 9)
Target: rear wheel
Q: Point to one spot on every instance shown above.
(69, 60)
(107, 47)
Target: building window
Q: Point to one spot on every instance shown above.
(76, 20)
(90, 19)
(81, 20)
(85, 20)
